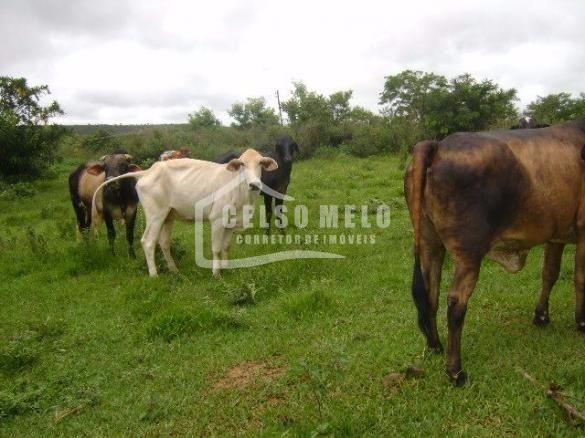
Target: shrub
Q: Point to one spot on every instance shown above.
(102, 141)
(311, 136)
(17, 191)
(243, 295)
(23, 190)
(17, 356)
(370, 140)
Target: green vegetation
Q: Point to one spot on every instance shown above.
(556, 108)
(203, 118)
(436, 107)
(28, 143)
(415, 105)
(254, 112)
(90, 345)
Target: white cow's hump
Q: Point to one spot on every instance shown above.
(184, 163)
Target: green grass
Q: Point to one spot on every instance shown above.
(90, 345)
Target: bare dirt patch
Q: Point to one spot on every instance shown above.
(247, 373)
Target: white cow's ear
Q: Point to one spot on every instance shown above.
(234, 165)
(268, 164)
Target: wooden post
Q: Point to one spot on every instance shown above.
(279, 107)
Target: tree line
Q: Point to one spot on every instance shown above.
(414, 105)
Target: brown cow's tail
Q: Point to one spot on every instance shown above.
(422, 157)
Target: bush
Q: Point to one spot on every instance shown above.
(315, 138)
(17, 356)
(370, 140)
(311, 136)
(17, 191)
(102, 141)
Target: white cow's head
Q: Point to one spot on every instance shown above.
(252, 163)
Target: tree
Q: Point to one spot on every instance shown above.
(304, 106)
(253, 113)
(203, 118)
(470, 105)
(409, 93)
(28, 143)
(556, 108)
(339, 105)
(362, 115)
(437, 107)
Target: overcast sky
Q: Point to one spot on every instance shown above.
(125, 61)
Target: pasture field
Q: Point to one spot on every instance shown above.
(90, 345)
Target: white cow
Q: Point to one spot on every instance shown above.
(170, 190)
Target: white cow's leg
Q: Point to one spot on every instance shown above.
(225, 247)
(149, 239)
(217, 233)
(165, 244)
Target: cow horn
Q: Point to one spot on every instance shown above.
(128, 157)
(103, 158)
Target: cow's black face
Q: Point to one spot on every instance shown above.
(116, 165)
(286, 147)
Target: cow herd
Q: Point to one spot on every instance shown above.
(479, 195)
(111, 188)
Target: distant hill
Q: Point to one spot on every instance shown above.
(121, 129)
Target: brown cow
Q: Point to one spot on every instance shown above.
(174, 154)
(118, 201)
(496, 195)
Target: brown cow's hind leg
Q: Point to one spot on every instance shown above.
(553, 253)
(466, 273)
(432, 256)
(580, 284)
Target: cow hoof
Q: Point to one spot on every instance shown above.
(457, 379)
(541, 319)
(436, 349)
(217, 275)
(581, 326)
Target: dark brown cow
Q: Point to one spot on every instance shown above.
(496, 195)
(118, 201)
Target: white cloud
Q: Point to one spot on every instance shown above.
(155, 61)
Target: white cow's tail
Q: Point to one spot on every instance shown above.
(136, 175)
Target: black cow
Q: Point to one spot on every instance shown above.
(284, 150)
(117, 201)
